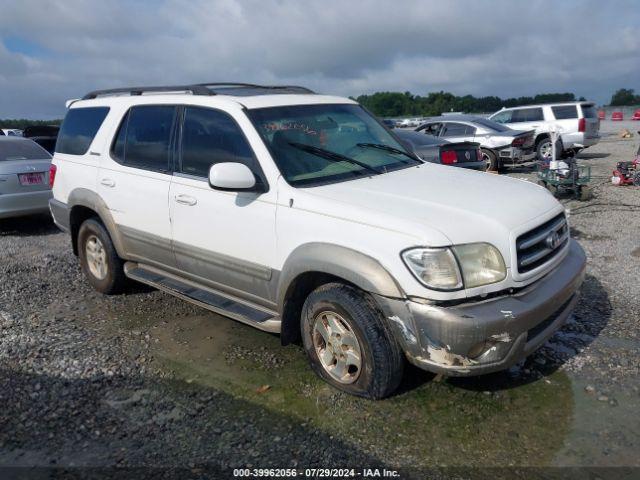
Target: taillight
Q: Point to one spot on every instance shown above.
(518, 141)
(582, 125)
(52, 175)
(479, 155)
(448, 157)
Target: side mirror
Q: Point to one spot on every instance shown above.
(232, 176)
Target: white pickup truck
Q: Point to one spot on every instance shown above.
(300, 214)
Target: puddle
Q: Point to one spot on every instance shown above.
(491, 420)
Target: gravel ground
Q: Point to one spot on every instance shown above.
(143, 379)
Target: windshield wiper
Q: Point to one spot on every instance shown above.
(333, 156)
(382, 146)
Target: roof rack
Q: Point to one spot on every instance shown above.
(230, 85)
(194, 89)
(206, 89)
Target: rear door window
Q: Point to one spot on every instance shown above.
(210, 136)
(144, 137)
(457, 130)
(565, 112)
(527, 115)
(79, 129)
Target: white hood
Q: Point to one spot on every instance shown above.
(440, 204)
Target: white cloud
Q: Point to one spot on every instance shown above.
(499, 48)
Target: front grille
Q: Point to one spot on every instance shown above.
(543, 243)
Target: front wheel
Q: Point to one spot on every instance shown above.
(348, 342)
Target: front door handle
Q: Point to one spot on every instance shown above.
(186, 200)
(107, 182)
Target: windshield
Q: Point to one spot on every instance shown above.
(318, 144)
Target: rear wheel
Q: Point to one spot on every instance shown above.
(98, 258)
(543, 149)
(348, 342)
(490, 161)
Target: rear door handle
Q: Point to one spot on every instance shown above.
(107, 182)
(186, 200)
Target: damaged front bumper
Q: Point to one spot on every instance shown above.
(488, 335)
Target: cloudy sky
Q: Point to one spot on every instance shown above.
(52, 50)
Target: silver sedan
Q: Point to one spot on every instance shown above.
(501, 146)
(24, 177)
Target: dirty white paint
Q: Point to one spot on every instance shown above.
(444, 356)
(408, 334)
(501, 337)
(507, 314)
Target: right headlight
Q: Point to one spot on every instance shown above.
(461, 266)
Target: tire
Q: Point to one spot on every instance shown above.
(585, 193)
(491, 161)
(543, 149)
(357, 315)
(636, 179)
(94, 241)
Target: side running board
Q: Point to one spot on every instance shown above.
(213, 300)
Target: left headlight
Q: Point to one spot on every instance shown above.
(468, 266)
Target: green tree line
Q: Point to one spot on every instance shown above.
(625, 97)
(21, 123)
(396, 104)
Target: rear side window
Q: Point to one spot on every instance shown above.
(527, 115)
(21, 150)
(209, 137)
(457, 130)
(79, 128)
(144, 137)
(589, 111)
(565, 112)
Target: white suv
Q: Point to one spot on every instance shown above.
(577, 123)
(300, 214)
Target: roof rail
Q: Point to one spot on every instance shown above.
(194, 89)
(253, 85)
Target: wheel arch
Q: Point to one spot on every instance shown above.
(84, 204)
(314, 264)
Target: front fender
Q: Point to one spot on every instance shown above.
(355, 267)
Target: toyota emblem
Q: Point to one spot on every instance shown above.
(552, 241)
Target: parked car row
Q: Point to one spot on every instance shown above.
(576, 122)
(301, 214)
(24, 177)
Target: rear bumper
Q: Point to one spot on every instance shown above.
(578, 140)
(19, 204)
(60, 214)
(517, 155)
(490, 335)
